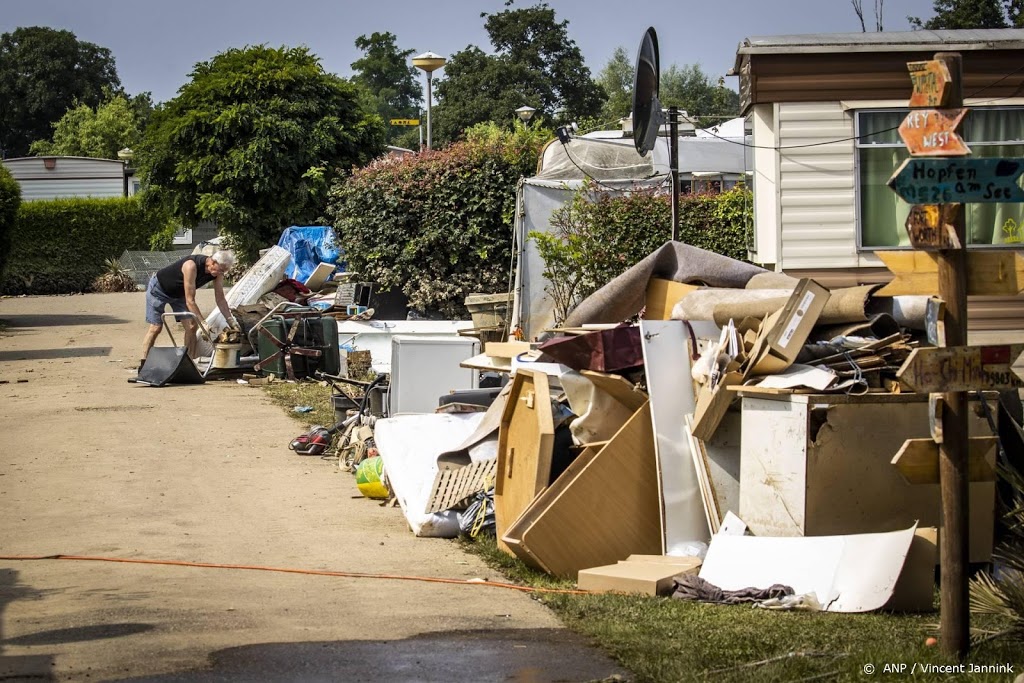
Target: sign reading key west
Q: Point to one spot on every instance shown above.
(932, 132)
(934, 181)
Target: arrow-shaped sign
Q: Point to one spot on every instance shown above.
(932, 132)
(931, 226)
(931, 81)
(989, 273)
(918, 460)
(935, 181)
(961, 368)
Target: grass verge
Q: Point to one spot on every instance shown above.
(664, 640)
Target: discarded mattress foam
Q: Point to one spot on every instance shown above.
(409, 446)
(851, 573)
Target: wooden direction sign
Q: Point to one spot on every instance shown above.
(1018, 366)
(932, 132)
(931, 226)
(918, 460)
(933, 181)
(405, 122)
(989, 273)
(961, 368)
(931, 80)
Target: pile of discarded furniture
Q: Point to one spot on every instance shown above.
(741, 427)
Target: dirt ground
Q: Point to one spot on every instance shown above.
(91, 465)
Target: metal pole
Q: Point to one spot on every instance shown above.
(673, 147)
(429, 96)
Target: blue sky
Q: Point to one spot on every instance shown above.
(157, 42)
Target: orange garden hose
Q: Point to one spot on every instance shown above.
(288, 570)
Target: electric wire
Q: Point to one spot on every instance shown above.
(290, 570)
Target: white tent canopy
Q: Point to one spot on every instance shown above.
(615, 164)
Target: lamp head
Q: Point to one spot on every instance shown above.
(428, 61)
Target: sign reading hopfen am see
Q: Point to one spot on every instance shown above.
(933, 181)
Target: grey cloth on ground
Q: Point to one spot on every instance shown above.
(625, 295)
(692, 587)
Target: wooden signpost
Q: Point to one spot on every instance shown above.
(937, 181)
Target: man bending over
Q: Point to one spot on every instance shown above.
(176, 285)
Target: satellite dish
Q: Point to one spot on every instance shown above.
(647, 115)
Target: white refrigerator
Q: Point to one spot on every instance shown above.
(425, 368)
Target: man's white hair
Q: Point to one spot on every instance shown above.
(225, 258)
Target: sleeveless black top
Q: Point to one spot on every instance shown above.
(172, 280)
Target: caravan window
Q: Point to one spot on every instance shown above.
(989, 131)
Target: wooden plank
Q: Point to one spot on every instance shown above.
(606, 512)
(707, 490)
(508, 349)
(989, 273)
(932, 132)
(931, 226)
(918, 460)
(525, 441)
(618, 387)
(961, 368)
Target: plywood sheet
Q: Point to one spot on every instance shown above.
(525, 441)
(604, 513)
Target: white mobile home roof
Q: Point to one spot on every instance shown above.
(53, 177)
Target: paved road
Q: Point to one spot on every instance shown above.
(92, 465)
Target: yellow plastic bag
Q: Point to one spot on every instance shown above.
(370, 478)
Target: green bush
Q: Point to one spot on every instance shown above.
(599, 235)
(438, 225)
(59, 246)
(10, 200)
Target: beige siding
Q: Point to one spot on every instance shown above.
(68, 177)
(817, 186)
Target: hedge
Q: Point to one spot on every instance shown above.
(58, 246)
(437, 225)
(10, 200)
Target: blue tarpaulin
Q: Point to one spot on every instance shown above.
(309, 247)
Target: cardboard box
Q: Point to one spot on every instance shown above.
(784, 332)
(662, 296)
(648, 578)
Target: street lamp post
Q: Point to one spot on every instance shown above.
(125, 155)
(428, 62)
(525, 113)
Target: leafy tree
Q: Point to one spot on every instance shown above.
(691, 90)
(43, 73)
(385, 72)
(87, 132)
(535, 63)
(253, 141)
(617, 80)
(965, 14)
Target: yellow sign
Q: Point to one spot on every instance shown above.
(405, 122)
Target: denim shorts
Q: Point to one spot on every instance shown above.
(157, 300)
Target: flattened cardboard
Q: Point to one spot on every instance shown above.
(648, 578)
(662, 296)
